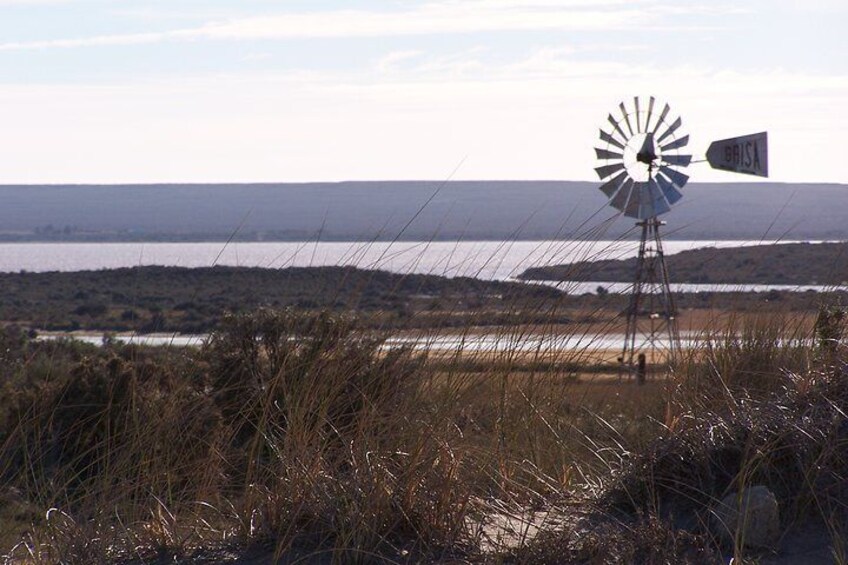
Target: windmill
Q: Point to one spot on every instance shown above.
(641, 169)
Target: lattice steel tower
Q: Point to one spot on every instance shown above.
(641, 161)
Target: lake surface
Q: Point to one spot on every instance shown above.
(492, 260)
(466, 343)
(585, 343)
(588, 287)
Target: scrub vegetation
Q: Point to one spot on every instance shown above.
(304, 436)
(824, 264)
(173, 299)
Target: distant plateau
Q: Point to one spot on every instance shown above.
(414, 210)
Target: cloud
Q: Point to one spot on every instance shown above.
(257, 56)
(441, 18)
(433, 18)
(392, 60)
(819, 6)
(32, 2)
(100, 40)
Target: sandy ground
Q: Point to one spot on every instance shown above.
(807, 544)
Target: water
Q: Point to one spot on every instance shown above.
(459, 343)
(542, 343)
(587, 287)
(151, 340)
(491, 260)
(498, 342)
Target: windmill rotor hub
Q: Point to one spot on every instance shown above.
(647, 157)
(641, 159)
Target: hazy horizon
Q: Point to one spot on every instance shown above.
(410, 210)
(434, 181)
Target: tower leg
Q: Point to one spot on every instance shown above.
(651, 333)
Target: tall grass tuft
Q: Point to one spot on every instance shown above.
(287, 429)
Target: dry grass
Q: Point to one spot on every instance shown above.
(304, 436)
(761, 403)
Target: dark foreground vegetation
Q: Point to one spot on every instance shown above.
(172, 299)
(298, 436)
(792, 263)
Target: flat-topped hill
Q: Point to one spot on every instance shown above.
(793, 264)
(420, 211)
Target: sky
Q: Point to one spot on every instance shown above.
(103, 91)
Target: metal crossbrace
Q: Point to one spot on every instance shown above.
(652, 335)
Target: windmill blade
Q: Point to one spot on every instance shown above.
(604, 154)
(668, 189)
(676, 177)
(677, 160)
(650, 111)
(626, 118)
(611, 140)
(638, 118)
(632, 208)
(676, 144)
(619, 202)
(658, 201)
(671, 129)
(608, 170)
(611, 187)
(660, 121)
(651, 201)
(617, 128)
